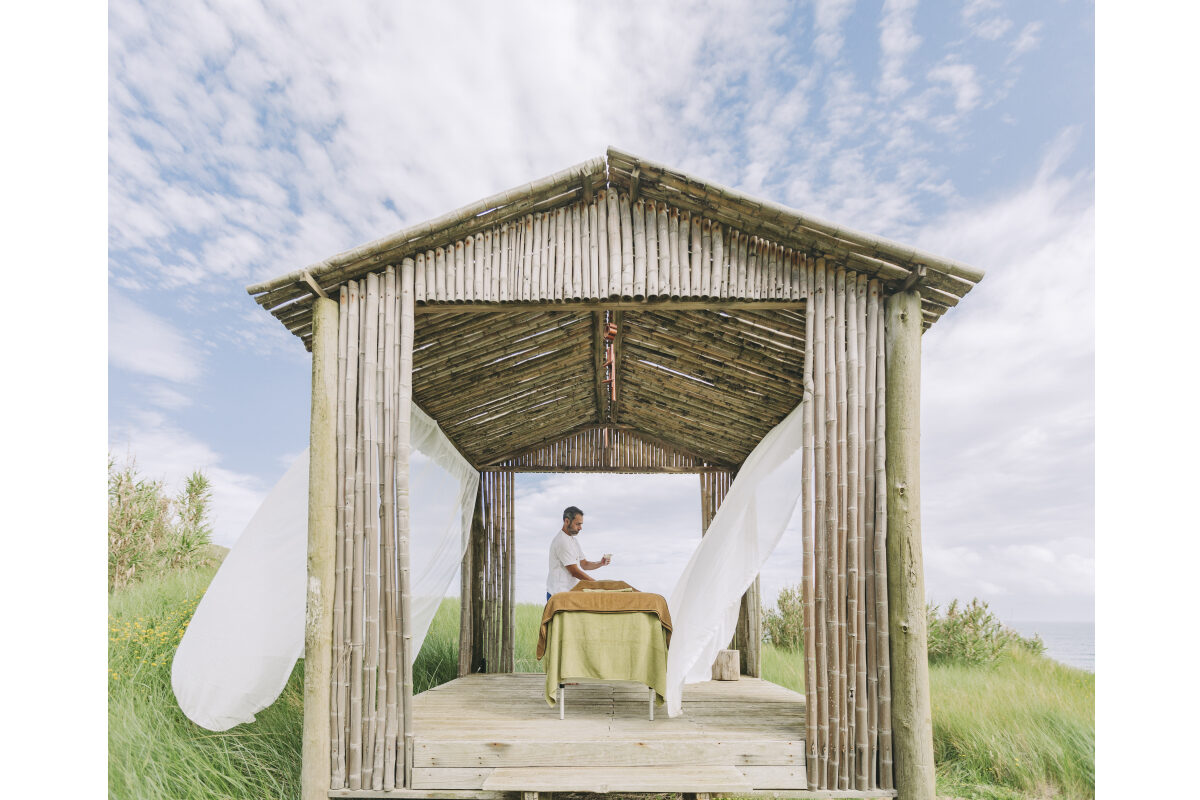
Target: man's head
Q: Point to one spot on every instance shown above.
(572, 520)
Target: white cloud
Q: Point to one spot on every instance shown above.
(141, 342)
(978, 16)
(830, 14)
(1029, 38)
(1007, 397)
(897, 41)
(963, 82)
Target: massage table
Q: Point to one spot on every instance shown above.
(604, 631)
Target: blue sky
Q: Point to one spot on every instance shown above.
(248, 139)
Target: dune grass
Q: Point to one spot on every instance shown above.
(1023, 728)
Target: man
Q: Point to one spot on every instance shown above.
(567, 563)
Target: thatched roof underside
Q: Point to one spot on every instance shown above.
(508, 365)
(710, 383)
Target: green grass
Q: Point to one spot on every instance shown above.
(154, 751)
(1023, 728)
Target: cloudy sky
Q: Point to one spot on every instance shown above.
(247, 139)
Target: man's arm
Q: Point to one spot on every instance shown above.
(592, 564)
(578, 573)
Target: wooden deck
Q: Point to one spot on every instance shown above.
(493, 737)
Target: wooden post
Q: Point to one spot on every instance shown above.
(912, 726)
(322, 531)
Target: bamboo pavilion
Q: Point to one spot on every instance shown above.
(621, 316)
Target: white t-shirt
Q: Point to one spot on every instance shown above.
(564, 550)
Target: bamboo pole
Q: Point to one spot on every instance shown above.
(527, 247)
(488, 294)
(503, 265)
(718, 263)
(439, 272)
(808, 585)
(510, 608)
(911, 720)
(697, 251)
(627, 267)
(537, 290)
(403, 428)
(869, 512)
(673, 253)
(391, 350)
(578, 257)
(639, 250)
(685, 257)
(844, 657)
(349, 499)
(455, 266)
(355, 760)
(591, 249)
(420, 276)
(322, 536)
(560, 253)
(656, 232)
(371, 520)
(706, 259)
(604, 239)
(850, 424)
(882, 614)
(821, 524)
(831, 511)
(614, 245)
(861, 749)
(467, 267)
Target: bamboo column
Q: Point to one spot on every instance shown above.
(387, 732)
(833, 596)
(808, 580)
(912, 726)
(820, 523)
(403, 429)
(861, 746)
(322, 538)
(371, 530)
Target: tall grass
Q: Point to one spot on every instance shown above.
(1023, 727)
(154, 751)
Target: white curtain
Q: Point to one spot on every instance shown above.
(752, 518)
(248, 629)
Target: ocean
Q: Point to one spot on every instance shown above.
(1072, 643)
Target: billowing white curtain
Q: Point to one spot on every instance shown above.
(750, 522)
(248, 629)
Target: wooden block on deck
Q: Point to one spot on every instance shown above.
(727, 667)
(617, 779)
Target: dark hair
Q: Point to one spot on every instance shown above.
(571, 512)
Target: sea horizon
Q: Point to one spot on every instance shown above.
(1070, 643)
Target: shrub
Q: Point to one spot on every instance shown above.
(783, 626)
(971, 634)
(149, 532)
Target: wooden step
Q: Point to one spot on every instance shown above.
(617, 779)
(665, 753)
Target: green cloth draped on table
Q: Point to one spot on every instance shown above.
(602, 630)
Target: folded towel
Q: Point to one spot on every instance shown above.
(609, 590)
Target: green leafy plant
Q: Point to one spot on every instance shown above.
(783, 626)
(149, 532)
(971, 634)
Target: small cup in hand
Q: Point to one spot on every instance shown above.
(608, 558)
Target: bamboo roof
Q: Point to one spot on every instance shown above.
(702, 281)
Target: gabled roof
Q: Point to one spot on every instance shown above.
(512, 295)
